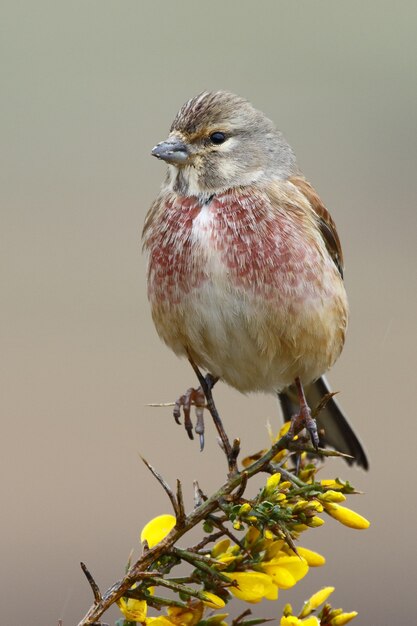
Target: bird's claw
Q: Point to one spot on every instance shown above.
(305, 420)
(196, 398)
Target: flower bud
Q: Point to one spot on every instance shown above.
(343, 618)
(346, 516)
(332, 496)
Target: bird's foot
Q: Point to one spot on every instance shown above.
(304, 419)
(196, 398)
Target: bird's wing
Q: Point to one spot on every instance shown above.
(326, 224)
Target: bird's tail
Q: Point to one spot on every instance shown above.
(334, 429)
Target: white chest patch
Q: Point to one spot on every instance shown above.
(204, 235)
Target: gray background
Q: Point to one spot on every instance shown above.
(87, 88)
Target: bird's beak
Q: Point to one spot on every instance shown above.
(173, 150)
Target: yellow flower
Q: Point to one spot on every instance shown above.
(251, 536)
(179, 616)
(332, 496)
(299, 528)
(224, 553)
(343, 618)
(291, 620)
(272, 482)
(320, 597)
(226, 558)
(248, 460)
(285, 571)
(213, 601)
(188, 616)
(300, 505)
(161, 620)
(330, 483)
(220, 547)
(280, 456)
(283, 430)
(316, 600)
(346, 516)
(252, 586)
(314, 559)
(157, 529)
(133, 610)
(315, 505)
(217, 619)
(274, 549)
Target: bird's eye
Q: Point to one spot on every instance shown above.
(217, 138)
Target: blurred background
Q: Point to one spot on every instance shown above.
(87, 88)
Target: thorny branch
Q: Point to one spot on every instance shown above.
(231, 490)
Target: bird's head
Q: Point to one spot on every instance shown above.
(219, 141)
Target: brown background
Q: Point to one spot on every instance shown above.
(87, 89)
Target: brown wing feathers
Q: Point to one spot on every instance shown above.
(325, 221)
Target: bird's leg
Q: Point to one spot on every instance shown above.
(192, 397)
(304, 419)
(207, 383)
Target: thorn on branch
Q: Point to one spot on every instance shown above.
(288, 538)
(322, 404)
(167, 489)
(240, 621)
(295, 446)
(95, 589)
(206, 540)
(180, 505)
(235, 449)
(199, 496)
(129, 561)
(240, 617)
(160, 404)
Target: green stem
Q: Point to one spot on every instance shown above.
(288, 475)
(158, 601)
(199, 564)
(189, 591)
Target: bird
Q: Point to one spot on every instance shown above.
(245, 266)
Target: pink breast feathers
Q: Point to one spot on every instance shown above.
(173, 270)
(262, 249)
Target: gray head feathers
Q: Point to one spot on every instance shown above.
(253, 149)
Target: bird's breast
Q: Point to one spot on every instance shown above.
(244, 288)
(236, 238)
